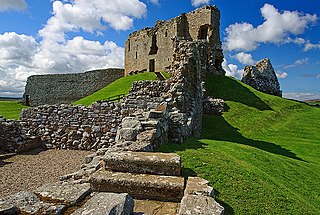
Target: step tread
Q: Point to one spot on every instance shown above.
(144, 162)
(141, 186)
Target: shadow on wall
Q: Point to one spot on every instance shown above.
(229, 89)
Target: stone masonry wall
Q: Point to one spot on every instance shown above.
(152, 49)
(152, 112)
(66, 88)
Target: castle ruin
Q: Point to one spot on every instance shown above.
(152, 49)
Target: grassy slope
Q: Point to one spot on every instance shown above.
(11, 109)
(262, 155)
(120, 86)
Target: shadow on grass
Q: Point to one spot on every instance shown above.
(217, 128)
(229, 89)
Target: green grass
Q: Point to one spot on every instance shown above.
(11, 109)
(166, 75)
(120, 86)
(262, 155)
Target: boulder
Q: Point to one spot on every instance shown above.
(262, 77)
(199, 204)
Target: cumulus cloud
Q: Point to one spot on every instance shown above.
(91, 16)
(21, 56)
(297, 63)
(281, 74)
(197, 3)
(12, 5)
(244, 58)
(275, 29)
(232, 70)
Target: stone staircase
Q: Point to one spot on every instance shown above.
(123, 179)
(154, 176)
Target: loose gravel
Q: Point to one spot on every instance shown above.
(36, 168)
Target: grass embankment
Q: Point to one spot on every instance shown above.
(120, 86)
(262, 155)
(11, 109)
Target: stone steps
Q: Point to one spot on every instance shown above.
(140, 186)
(143, 162)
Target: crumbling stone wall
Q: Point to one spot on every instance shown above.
(152, 112)
(66, 88)
(74, 127)
(152, 49)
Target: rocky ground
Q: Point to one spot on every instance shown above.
(35, 168)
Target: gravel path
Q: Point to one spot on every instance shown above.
(36, 168)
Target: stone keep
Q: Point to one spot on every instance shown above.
(262, 77)
(67, 88)
(152, 49)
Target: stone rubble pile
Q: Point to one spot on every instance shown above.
(262, 77)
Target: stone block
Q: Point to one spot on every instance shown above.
(198, 186)
(129, 134)
(29, 203)
(144, 162)
(141, 186)
(64, 192)
(107, 204)
(199, 204)
(155, 114)
(29, 144)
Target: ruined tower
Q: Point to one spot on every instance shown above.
(152, 49)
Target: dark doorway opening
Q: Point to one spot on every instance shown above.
(151, 65)
(203, 32)
(27, 100)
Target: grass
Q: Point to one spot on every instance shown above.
(120, 86)
(262, 155)
(11, 109)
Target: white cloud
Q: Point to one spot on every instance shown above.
(12, 5)
(301, 96)
(281, 74)
(91, 16)
(244, 58)
(21, 56)
(232, 70)
(308, 46)
(275, 29)
(155, 1)
(297, 63)
(197, 3)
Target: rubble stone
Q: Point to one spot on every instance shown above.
(64, 192)
(107, 204)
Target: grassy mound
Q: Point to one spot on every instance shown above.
(120, 86)
(262, 155)
(11, 109)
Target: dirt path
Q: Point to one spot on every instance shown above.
(31, 170)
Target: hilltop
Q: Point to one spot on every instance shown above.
(262, 155)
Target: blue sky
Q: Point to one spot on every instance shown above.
(41, 37)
